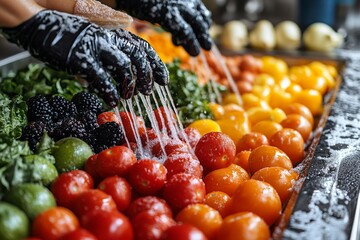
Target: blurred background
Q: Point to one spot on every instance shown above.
(342, 15)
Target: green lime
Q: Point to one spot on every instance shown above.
(44, 170)
(70, 154)
(14, 224)
(31, 198)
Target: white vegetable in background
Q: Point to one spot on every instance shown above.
(288, 35)
(234, 35)
(215, 31)
(321, 37)
(263, 35)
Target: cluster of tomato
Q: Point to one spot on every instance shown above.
(228, 179)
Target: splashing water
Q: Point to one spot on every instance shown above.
(217, 55)
(117, 113)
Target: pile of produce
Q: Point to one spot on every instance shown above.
(70, 168)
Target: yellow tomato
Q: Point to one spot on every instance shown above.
(231, 98)
(268, 128)
(257, 114)
(262, 92)
(277, 68)
(235, 115)
(217, 110)
(294, 89)
(205, 126)
(264, 79)
(280, 98)
(234, 129)
(311, 99)
(332, 70)
(251, 100)
(284, 82)
(277, 115)
(299, 73)
(315, 82)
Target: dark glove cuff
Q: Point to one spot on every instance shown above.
(41, 35)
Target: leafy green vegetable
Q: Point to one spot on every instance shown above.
(189, 97)
(13, 116)
(39, 79)
(19, 165)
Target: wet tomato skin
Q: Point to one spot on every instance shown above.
(148, 203)
(79, 234)
(91, 200)
(58, 221)
(67, 186)
(108, 225)
(215, 150)
(183, 231)
(149, 225)
(183, 189)
(147, 176)
(116, 160)
(119, 189)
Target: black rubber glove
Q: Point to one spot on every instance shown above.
(187, 20)
(72, 44)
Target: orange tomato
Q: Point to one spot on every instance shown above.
(217, 200)
(281, 179)
(298, 108)
(242, 159)
(257, 197)
(267, 127)
(217, 110)
(318, 83)
(244, 87)
(202, 216)
(298, 123)
(251, 141)
(268, 156)
(225, 180)
(54, 223)
(291, 142)
(244, 226)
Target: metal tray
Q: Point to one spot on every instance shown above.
(325, 202)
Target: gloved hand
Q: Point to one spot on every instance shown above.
(187, 20)
(112, 61)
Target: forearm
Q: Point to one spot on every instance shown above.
(62, 6)
(12, 13)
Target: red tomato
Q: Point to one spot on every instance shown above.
(133, 146)
(151, 142)
(116, 160)
(166, 119)
(92, 200)
(148, 203)
(90, 167)
(183, 231)
(67, 186)
(215, 150)
(193, 136)
(183, 162)
(108, 225)
(176, 146)
(119, 189)
(54, 223)
(149, 225)
(79, 234)
(107, 117)
(147, 176)
(183, 189)
(130, 125)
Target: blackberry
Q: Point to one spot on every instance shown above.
(108, 134)
(33, 133)
(62, 108)
(86, 101)
(39, 109)
(70, 127)
(89, 119)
